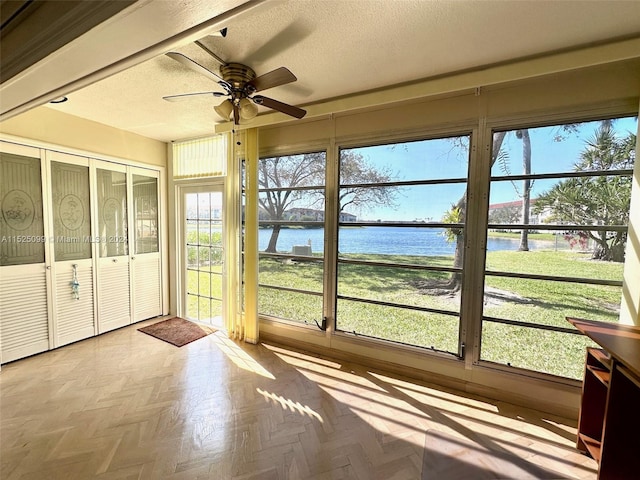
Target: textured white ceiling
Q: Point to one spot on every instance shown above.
(340, 47)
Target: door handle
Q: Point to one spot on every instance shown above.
(115, 260)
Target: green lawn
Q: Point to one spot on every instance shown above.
(201, 286)
(532, 236)
(524, 300)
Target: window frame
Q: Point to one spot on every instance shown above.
(533, 121)
(322, 323)
(481, 125)
(425, 134)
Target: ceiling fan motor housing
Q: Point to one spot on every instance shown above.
(237, 74)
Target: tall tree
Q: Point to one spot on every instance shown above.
(526, 187)
(277, 173)
(525, 192)
(356, 176)
(458, 213)
(279, 177)
(598, 200)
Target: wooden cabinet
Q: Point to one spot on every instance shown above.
(595, 389)
(610, 398)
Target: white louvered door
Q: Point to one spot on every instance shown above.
(73, 308)
(23, 311)
(145, 242)
(112, 245)
(80, 248)
(24, 273)
(74, 318)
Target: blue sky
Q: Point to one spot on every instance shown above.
(447, 158)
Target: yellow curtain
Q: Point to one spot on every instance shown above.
(242, 307)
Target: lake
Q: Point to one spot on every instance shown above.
(389, 240)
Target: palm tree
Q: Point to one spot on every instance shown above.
(526, 187)
(597, 200)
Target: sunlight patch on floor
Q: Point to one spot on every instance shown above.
(292, 357)
(288, 404)
(241, 358)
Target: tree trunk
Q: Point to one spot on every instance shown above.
(618, 248)
(602, 250)
(455, 281)
(606, 252)
(526, 188)
(273, 241)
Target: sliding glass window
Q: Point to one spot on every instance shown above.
(556, 235)
(291, 237)
(401, 234)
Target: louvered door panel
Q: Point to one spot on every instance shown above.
(114, 306)
(145, 261)
(114, 303)
(24, 310)
(147, 302)
(75, 316)
(24, 329)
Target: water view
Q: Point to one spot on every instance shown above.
(391, 241)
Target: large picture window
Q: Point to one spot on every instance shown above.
(291, 220)
(395, 224)
(557, 230)
(400, 241)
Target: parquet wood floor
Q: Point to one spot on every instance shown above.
(125, 405)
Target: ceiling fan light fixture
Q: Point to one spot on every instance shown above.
(225, 109)
(248, 109)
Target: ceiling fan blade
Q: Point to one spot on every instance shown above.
(275, 78)
(186, 96)
(208, 50)
(281, 107)
(193, 65)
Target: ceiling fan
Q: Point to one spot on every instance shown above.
(240, 85)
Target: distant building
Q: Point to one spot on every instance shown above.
(347, 217)
(511, 212)
(310, 214)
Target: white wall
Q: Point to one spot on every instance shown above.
(630, 311)
(46, 125)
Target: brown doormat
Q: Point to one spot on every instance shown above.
(177, 331)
